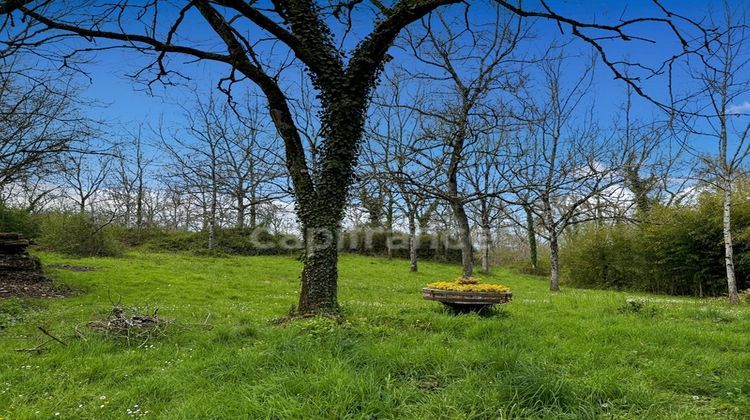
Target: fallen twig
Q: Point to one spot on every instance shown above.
(51, 336)
(38, 349)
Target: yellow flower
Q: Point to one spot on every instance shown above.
(457, 287)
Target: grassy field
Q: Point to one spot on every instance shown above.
(576, 354)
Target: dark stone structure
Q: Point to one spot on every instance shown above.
(15, 261)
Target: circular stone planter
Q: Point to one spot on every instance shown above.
(466, 301)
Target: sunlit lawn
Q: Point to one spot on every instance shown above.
(576, 354)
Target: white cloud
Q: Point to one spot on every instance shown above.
(742, 108)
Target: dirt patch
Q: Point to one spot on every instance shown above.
(30, 285)
(78, 268)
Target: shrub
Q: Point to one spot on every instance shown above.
(603, 257)
(78, 235)
(133, 237)
(226, 242)
(637, 307)
(675, 250)
(514, 253)
(374, 243)
(18, 220)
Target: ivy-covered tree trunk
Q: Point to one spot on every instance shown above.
(320, 272)
(322, 211)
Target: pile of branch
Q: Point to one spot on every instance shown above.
(131, 326)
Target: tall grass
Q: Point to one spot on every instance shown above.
(577, 354)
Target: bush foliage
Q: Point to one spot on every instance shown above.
(677, 250)
(227, 241)
(78, 235)
(375, 243)
(18, 220)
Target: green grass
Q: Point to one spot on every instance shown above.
(576, 354)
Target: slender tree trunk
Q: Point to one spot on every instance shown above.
(464, 232)
(388, 248)
(486, 247)
(139, 208)
(554, 251)
(253, 215)
(413, 242)
(127, 217)
(728, 251)
(212, 217)
(531, 231)
(139, 193)
(240, 212)
(211, 235)
(188, 219)
(253, 207)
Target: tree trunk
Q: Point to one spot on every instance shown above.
(240, 212)
(486, 248)
(253, 216)
(320, 272)
(413, 243)
(554, 251)
(464, 232)
(212, 218)
(211, 235)
(728, 252)
(531, 231)
(139, 207)
(389, 226)
(321, 205)
(253, 207)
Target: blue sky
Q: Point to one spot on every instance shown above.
(130, 105)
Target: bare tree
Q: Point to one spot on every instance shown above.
(39, 119)
(131, 165)
(196, 158)
(712, 112)
(484, 175)
(83, 178)
(652, 156)
(388, 157)
(466, 69)
(250, 167)
(564, 161)
(313, 34)
(34, 191)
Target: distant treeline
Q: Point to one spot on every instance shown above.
(84, 235)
